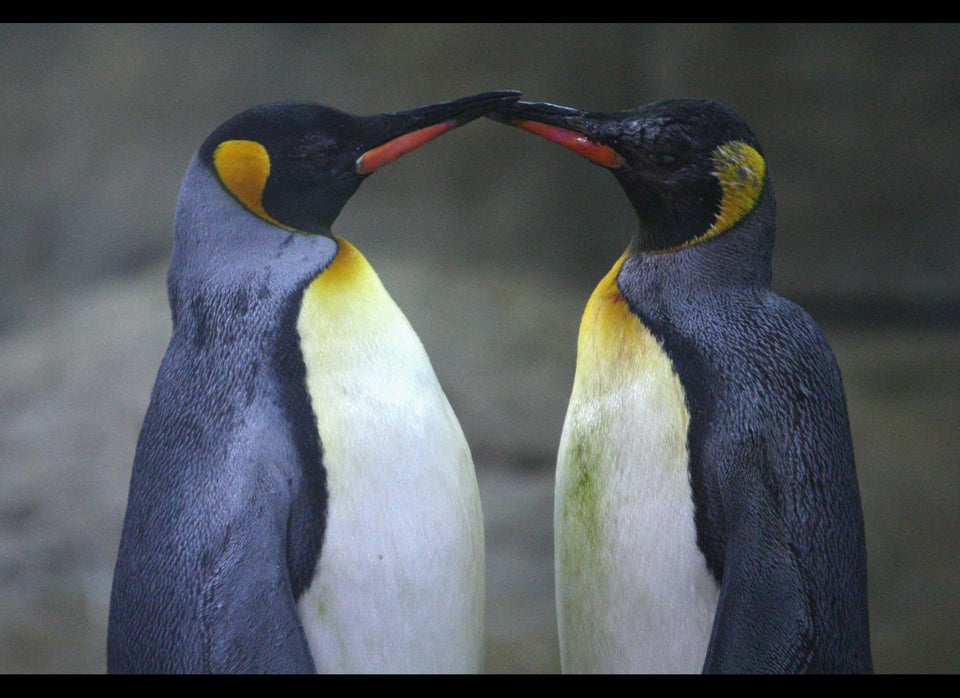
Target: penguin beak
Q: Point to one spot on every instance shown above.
(410, 129)
(561, 125)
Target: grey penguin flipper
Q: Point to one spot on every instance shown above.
(792, 518)
(201, 573)
(237, 635)
(763, 596)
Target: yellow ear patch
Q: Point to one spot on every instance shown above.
(740, 170)
(243, 167)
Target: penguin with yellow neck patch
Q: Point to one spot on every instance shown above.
(302, 497)
(707, 512)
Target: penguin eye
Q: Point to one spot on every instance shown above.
(667, 160)
(316, 145)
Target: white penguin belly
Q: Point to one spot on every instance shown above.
(634, 594)
(399, 585)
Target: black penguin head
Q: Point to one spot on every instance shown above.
(691, 167)
(295, 165)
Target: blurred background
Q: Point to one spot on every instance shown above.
(491, 240)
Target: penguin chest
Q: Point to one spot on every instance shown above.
(634, 592)
(399, 583)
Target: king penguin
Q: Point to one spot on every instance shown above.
(302, 497)
(707, 512)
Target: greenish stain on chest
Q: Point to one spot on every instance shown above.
(623, 508)
(580, 502)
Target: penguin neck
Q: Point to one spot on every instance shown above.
(207, 260)
(739, 258)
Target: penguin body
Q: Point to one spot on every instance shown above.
(302, 497)
(402, 491)
(623, 494)
(707, 511)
